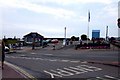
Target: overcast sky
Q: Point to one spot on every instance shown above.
(49, 17)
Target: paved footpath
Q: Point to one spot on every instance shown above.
(11, 72)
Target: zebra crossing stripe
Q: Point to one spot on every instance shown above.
(64, 73)
(82, 71)
(110, 77)
(65, 60)
(52, 74)
(76, 72)
(75, 61)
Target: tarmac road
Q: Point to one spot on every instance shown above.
(48, 63)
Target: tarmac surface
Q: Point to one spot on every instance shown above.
(11, 72)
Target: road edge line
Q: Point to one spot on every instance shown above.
(20, 71)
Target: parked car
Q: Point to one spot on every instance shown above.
(48, 40)
(54, 41)
(7, 49)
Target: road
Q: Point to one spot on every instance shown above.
(67, 63)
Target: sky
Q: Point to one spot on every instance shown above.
(50, 17)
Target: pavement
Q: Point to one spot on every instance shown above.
(11, 72)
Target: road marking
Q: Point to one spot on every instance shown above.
(79, 69)
(33, 53)
(22, 55)
(111, 77)
(48, 54)
(21, 71)
(65, 60)
(85, 68)
(107, 77)
(84, 62)
(53, 60)
(76, 72)
(64, 73)
(100, 78)
(45, 59)
(70, 71)
(52, 74)
(75, 61)
(91, 67)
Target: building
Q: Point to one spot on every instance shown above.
(33, 37)
(95, 33)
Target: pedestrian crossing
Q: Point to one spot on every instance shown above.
(72, 70)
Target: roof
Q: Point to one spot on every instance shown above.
(33, 34)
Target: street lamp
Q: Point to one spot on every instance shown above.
(65, 36)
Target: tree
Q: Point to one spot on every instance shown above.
(84, 37)
(73, 38)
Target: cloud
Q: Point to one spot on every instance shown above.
(69, 2)
(111, 10)
(59, 12)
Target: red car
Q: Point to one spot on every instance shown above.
(54, 41)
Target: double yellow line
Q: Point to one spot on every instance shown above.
(21, 71)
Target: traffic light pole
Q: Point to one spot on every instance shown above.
(118, 18)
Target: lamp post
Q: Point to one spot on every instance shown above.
(106, 33)
(33, 41)
(88, 26)
(65, 36)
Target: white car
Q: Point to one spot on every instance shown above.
(7, 49)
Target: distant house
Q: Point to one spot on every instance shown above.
(33, 37)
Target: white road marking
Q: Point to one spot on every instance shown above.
(76, 72)
(79, 69)
(52, 74)
(53, 60)
(101, 78)
(33, 53)
(85, 68)
(23, 55)
(111, 77)
(91, 67)
(84, 62)
(75, 61)
(64, 73)
(65, 60)
(71, 71)
(48, 54)
(45, 59)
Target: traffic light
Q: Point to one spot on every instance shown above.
(119, 23)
